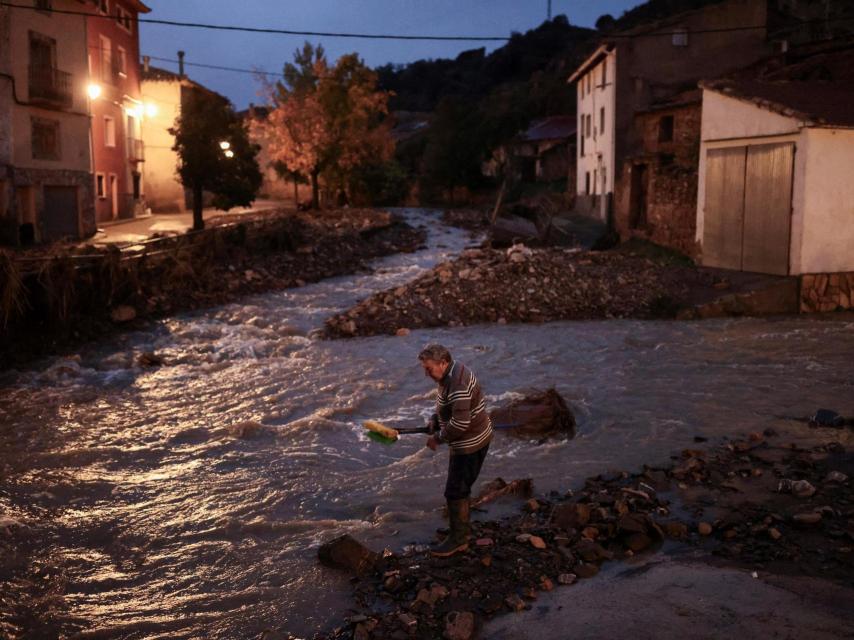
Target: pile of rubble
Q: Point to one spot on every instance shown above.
(521, 284)
(766, 507)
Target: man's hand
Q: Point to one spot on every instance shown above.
(433, 442)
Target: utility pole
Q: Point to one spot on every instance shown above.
(549, 11)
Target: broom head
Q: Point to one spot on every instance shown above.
(380, 433)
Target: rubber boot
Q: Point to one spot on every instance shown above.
(458, 538)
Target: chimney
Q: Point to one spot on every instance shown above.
(181, 63)
(146, 63)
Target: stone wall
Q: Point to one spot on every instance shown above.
(827, 292)
(664, 211)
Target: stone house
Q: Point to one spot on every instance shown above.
(45, 158)
(775, 192)
(657, 198)
(117, 108)
(634, 69)
(544, 152)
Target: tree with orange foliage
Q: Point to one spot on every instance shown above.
(327, 121)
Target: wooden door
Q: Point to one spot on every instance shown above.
(723, 222)
(768, 208)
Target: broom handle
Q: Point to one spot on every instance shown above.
(411, 430)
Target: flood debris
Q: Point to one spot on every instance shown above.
(730, 513)
(524, 284)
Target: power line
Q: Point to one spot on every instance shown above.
(385, 36)
(287, 32)
(255, 72)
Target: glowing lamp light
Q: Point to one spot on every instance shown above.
(136, 112)
(229, 153)
(94, 91)
(150, 109)
(225, 146)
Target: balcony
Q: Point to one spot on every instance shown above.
(136, 150)
(50, 87)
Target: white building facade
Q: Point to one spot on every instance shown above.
(595, 147)
(775, 192)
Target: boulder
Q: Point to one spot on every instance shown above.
(459, 625)
(571, 516)
(347, 553)
(537, 415)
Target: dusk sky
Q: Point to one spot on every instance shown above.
(401, 17)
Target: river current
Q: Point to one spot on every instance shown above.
(167, 523)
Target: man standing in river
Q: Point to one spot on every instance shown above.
(462, 422)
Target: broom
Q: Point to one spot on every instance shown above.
(378, 432)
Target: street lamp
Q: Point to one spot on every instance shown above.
(150, 109)
(94, 90)
(229, 153)
(225, 146)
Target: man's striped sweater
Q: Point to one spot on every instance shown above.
(463, 419)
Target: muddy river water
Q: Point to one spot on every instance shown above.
(167, 524)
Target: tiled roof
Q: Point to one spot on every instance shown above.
(817, 103)
(156, 73)
(551, 128)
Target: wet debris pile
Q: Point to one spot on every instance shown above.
(764, 507)
(67, 293)
(521, 284)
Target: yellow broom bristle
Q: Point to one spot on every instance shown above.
(378, 427)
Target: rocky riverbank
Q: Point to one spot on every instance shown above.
(522, 284)
(58, 297)
(760, 503)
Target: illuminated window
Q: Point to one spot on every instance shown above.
(109, 131)
(679, 38)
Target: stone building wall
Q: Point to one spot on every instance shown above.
(827, 292)
(665, 210)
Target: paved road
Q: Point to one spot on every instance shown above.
(141, 228)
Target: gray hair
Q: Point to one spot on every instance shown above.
(436, 353)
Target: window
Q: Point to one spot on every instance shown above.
(602, 120)
(604, 71)
(665, 129)
(589, 81)
(587, 183)
(109, 131)
(121, 61)
(124, 18)
(581, 132)
(589, 124)
(106, 59)
(604, 181)
(103, 6)
(100, 186)
(42, 51)
(594, 182)
(679, 37)
(44, 5)
(45, 139)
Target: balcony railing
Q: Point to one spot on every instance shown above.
(136, 150)
(50, 86)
